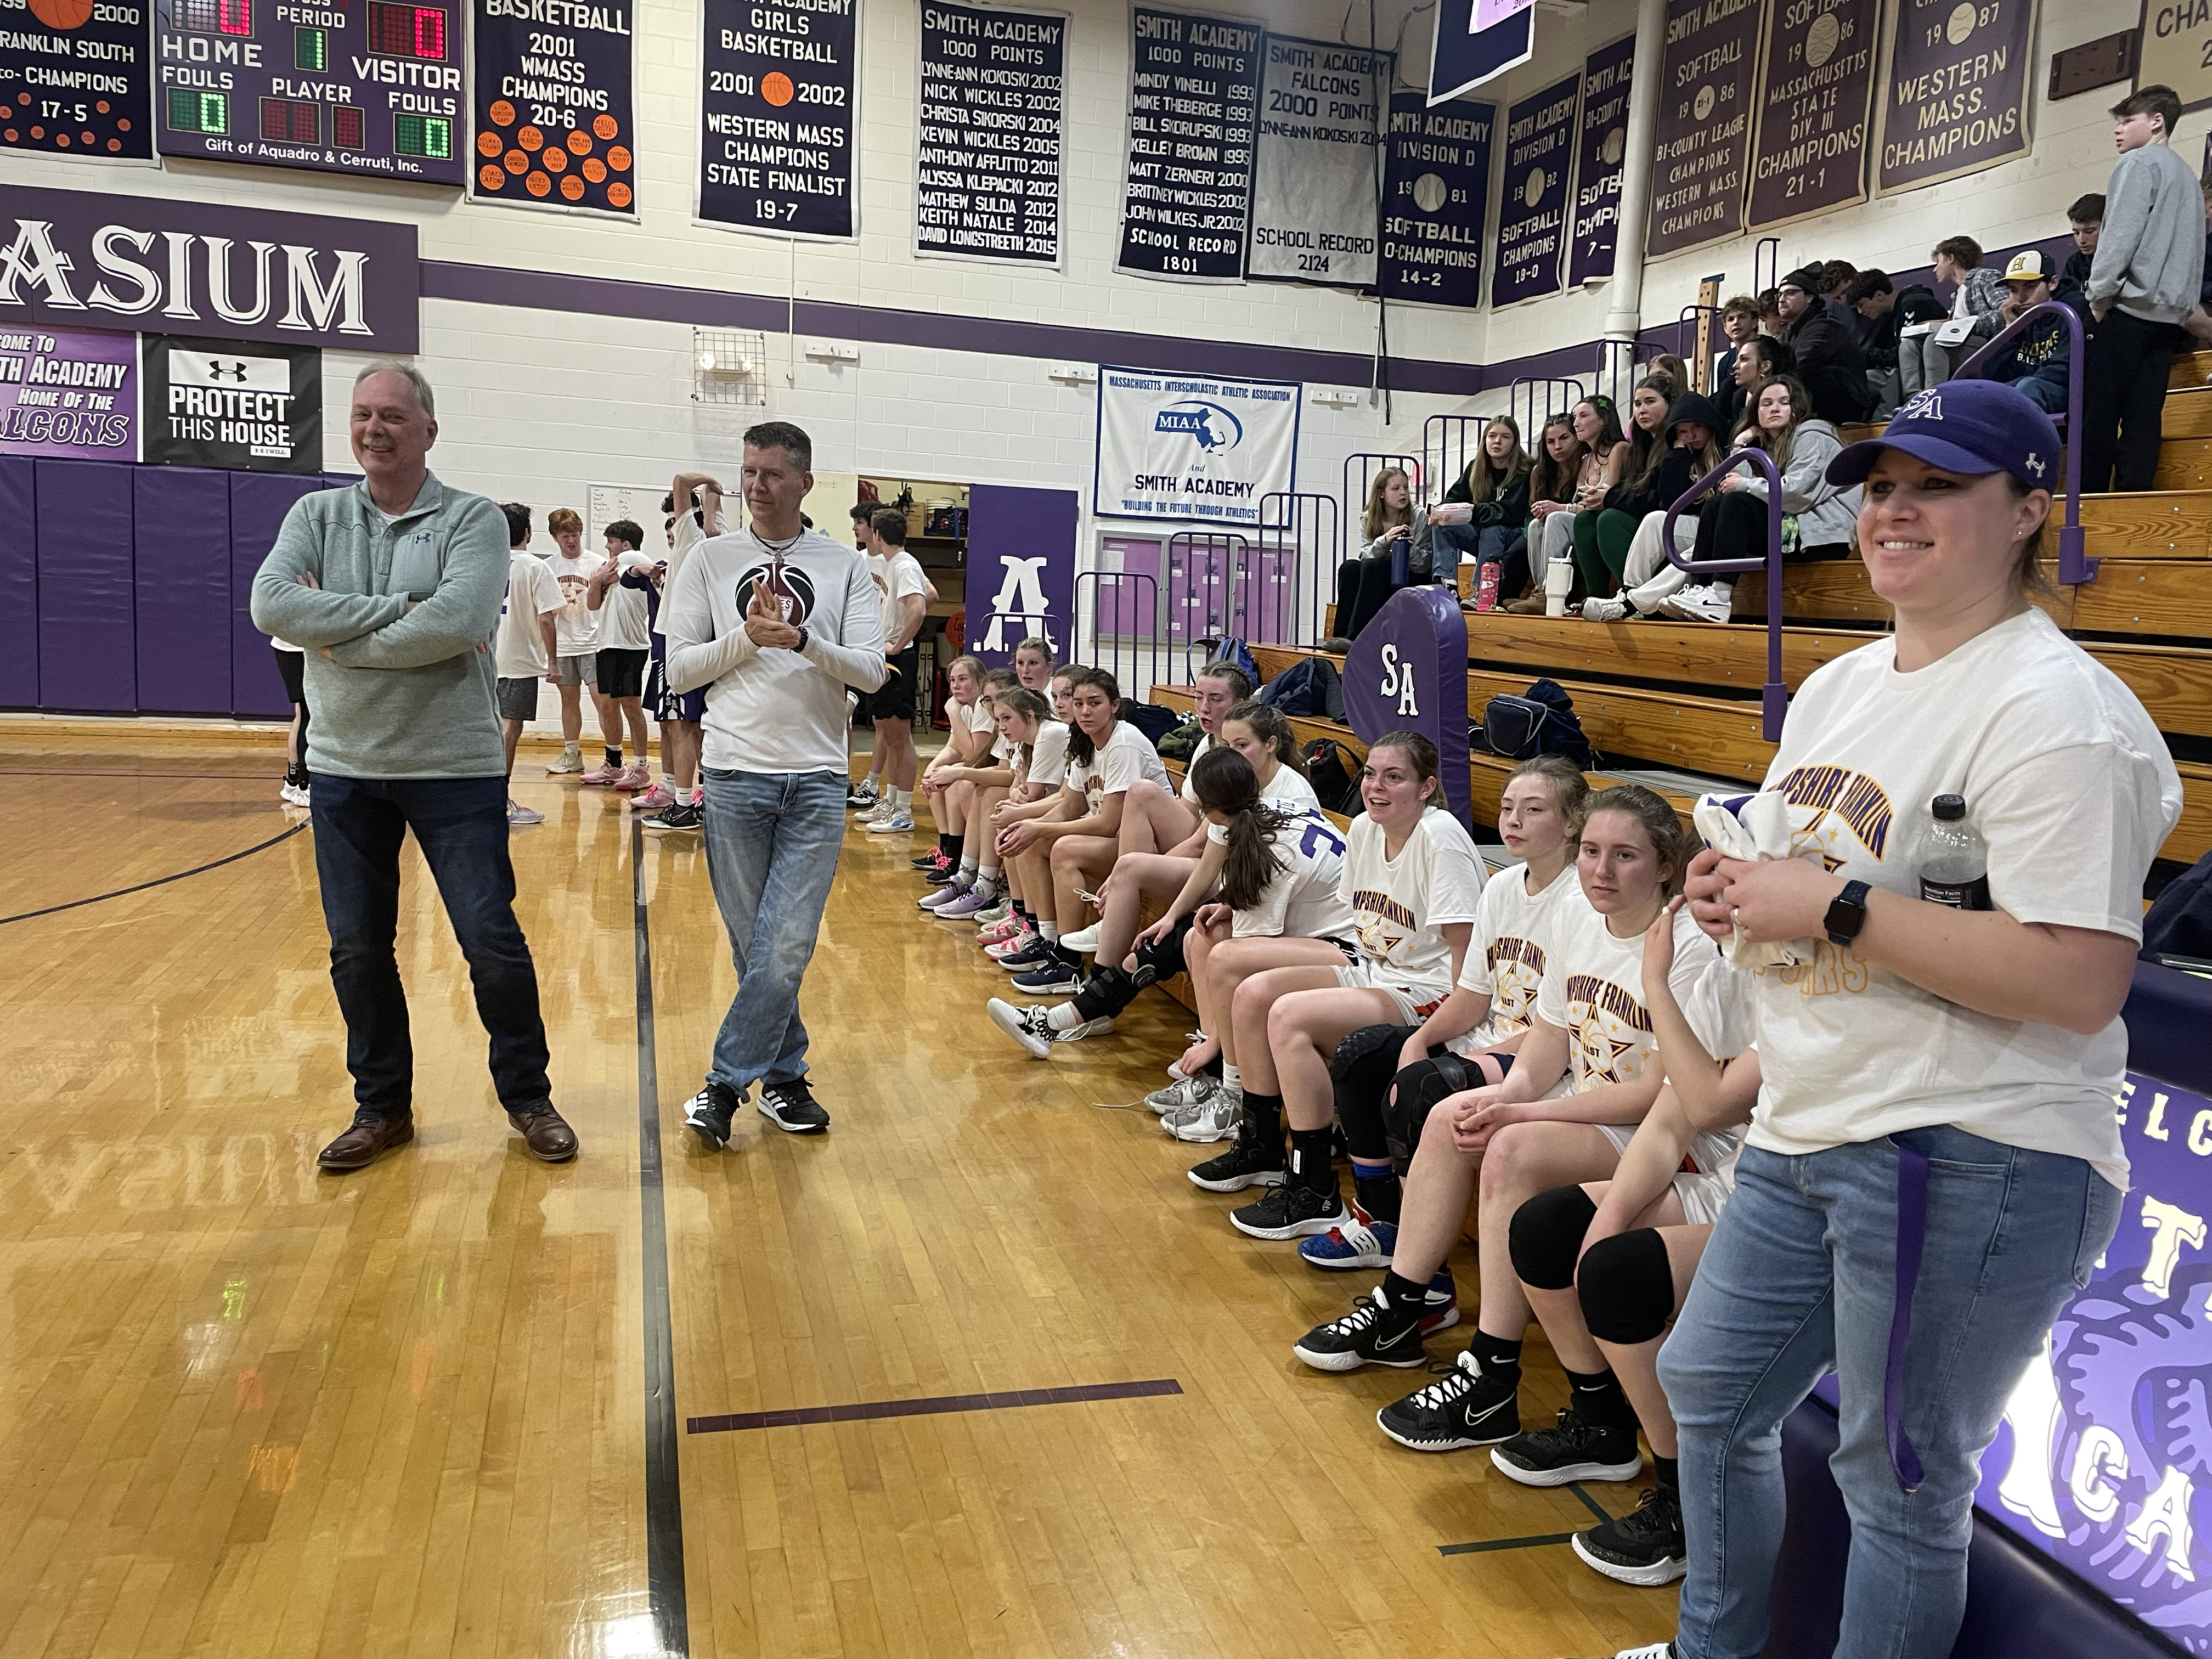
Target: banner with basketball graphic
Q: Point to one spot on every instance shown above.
(75, 80)
(780, 86)
(553, 104)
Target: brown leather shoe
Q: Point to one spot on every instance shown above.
(362, 1144)
(546, 1133)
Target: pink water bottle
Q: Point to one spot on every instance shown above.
(1485, 586)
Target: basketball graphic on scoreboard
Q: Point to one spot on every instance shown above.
(74, 81)
(553, 125)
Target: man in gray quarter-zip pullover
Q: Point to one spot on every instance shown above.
(393, 586)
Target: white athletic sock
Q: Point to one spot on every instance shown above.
(1062, 1017)
(1049, 928)
(988, 871)
(1229, 1080)
(668, 781)
(969, 862)
(901, 800)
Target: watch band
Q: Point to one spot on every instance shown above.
(1846, 913)
(801, 646)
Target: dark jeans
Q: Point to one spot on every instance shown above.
(460, 824)
(1733, 526)
(1488, 544)
(1363, 588)
(2124, 401)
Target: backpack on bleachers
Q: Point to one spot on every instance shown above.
(1178, 744)
(1543, 722)
(1309, 686)
(1234, 652)
(1335, 776)
(1149, 717)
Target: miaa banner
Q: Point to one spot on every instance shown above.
(1201, 447)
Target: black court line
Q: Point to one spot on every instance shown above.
(870, 1410)
(1588, 1502)
(664, 1492)
(159, 881)
(1504, 1544)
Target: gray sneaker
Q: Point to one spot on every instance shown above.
(1215, 1118)
(1184, 1091)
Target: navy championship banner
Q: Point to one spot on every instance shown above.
(1954, 94)
(1187, 192)
(991, 134)
(1709, 75)
(1540, 141)
(1602, 142)
(242, 407)
(1317, 181)
(780, 83)
(373, 90)
(1809, 152)
(554, 117)
(74, 80)
(1462, 55)
(1435, 200)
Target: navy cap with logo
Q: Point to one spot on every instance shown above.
(1969, 427)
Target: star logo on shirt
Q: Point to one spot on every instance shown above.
(1602, 1056)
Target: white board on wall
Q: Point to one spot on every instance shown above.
(603, 504)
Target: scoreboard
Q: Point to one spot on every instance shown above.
(342, 86)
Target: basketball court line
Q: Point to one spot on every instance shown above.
(1485, 1545)
(158, 881)
(664, 1493)
(876, 1410)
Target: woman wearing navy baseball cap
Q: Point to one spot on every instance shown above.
(1934, 1166)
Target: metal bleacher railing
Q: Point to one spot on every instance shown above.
(2075, 565)
(1774, 696)
(1559, 391)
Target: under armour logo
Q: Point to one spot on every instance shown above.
(2036, 465)
(218, 370)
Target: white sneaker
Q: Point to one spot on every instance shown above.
(1216, 1119)
(293, 794)
(1083, 941)
(571, 761)
(1704, 601)
(991, 917)
(1605, 609)
(1025, 1025)
(896, 821)
(1183, 1093)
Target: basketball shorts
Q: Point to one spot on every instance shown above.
(1360, 976)
(1707, 1177)
(664, 704)
(893, 699)
(622, 673)
(290, 668)
(517, 698)
(580, 669)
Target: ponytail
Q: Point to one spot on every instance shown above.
(1224, 782)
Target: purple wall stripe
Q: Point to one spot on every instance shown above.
(872, 1410)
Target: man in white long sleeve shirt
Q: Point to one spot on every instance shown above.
(776, 671)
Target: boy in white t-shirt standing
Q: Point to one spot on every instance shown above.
(579, 638)
(525, 646)
(625, 642)
(903, 590)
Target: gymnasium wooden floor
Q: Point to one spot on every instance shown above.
(254, 1411)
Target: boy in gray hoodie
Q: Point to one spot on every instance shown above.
(2146, 275)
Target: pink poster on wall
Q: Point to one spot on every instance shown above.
(1489, 12)
(71, 391)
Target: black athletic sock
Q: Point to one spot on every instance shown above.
(614, 757)
(1266, 1115)
(1022, 909)
(952, 845)
(1597, 1395)
(1379, 1195)
(1407, 1300)
(1496, 1354)
(1213, 1068)
(1311, 1167)
(944, 847)
(1668, 1472)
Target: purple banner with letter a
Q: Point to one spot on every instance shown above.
(1021, 571)
(69, 391)
(1408, 672)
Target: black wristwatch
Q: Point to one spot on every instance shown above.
(801, 647)
(1846, 913)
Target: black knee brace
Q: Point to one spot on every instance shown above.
(1111, 987)
(1547, 1235)
(1414, 1093)
(1626, 1287)
(1360, 1072)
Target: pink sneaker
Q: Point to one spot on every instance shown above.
(1005, 948)
(653, 799)
(998, 933)
(636, 777)
(604, 777)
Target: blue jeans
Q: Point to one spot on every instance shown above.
(1799, 1280)
(772, 843)
(2046, 395)
(460, 824)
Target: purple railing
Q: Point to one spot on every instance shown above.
(1306, 529)
(1773, 696)
(2075, 565)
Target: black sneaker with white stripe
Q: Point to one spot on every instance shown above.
(1373, 1334)
(1463, 1407)
(1573, 1448)
(1249, 1162)
(709, 1112)
(790, 1106)
(1290, 1210)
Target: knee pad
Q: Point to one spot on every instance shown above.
(1626, 1287)
(1164, 960)
(1414, 1093)
(1360, 1073)
(1547, 1235)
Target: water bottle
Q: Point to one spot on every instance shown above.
(1954, 864)
(1486, 587)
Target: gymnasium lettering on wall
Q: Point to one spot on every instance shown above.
(74, 79)
(780, 85)
(553, 105)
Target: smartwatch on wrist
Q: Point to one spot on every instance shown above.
(801, 646)
(1846, 913)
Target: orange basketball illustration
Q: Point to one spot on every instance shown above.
(573, 188)
(62, 14)
(618, 194)
(538, 184)
(776, 87)
(517, 161)
(529, 138)
(580, 142)
(619, 158)
(501, 112)
(555, 160)
(101, 106)
(488, 143)
(596, 170)
(605, 125)
(490, 176)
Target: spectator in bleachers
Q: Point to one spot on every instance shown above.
(1494, 490)
(1604, 456)
(1364, 585)
(1837, 276)
(1638, 457)
(1552, 479)
(1675, 370)
(1740, 323)
(1929, 354)
(1688, 448)
(1756, 364)
(1770, 322)
(1827, 356)
(2148, 275)
(1874, 320)
(2085, 220)
(2036, 365)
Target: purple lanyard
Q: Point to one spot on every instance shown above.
(1911, 1238)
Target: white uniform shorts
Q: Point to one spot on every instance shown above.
(1704, 1188)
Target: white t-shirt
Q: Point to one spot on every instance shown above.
(1289, 787)
(979, 716)
(579, 624)
(2067, 781)
(1401, 907)
(1048, 755)
(1512, 942)
(287, 645)
(902, 578)
(1114, 765)
(519, 648)
(625, 617)
(1189, 789)
(1305, 900)
(687, 535)
(1592, 989)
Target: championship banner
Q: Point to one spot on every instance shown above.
(1810, 151)
(1954, 94)
(1539, 138)
(71, 392)
(1465, 51)
(1435, 200)
(374, 90)
(1193, 446)
(1602, 141)
(1186, 190)
(780, 81)
(1317, 177)
(241, 407)
(75, 80)
(991, 134)
(1707, 75)
(554, 112)
(2174, 49)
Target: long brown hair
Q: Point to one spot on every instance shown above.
(1379, 518)
(1268, 723)
(1481, 479)
(1080, 749)
(1777, 444)
(1550, 480)
(1030, 706)
(1224, 782)
(1647, 449)
(1570, 789)
(1662, 826)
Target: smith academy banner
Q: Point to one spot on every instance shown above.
(1187, 190)
(1317, 178)
(1193, 446)
(74, 80)
(991, 133)
(1809, 154)
(779, 91)
(1955, 97)
(1540, 147)
(1602, 142)
(553, 105)
(1435, 200)
(1708, 74)
(69, 391)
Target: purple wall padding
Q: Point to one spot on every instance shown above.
(183, 517)
(88, 657)
(258, 501)
(19, 585)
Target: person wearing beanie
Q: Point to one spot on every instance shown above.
(1827, 354)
